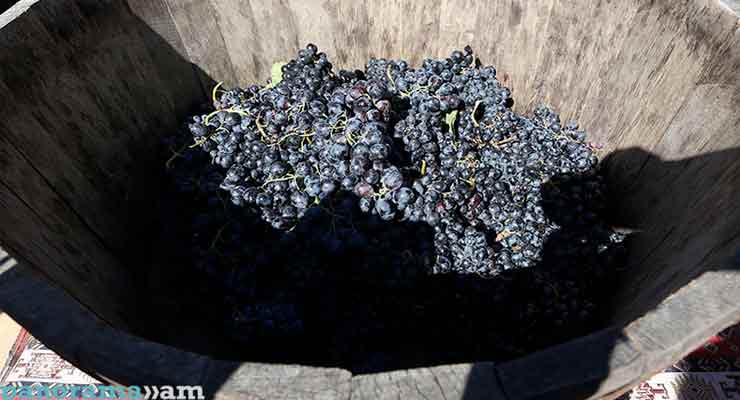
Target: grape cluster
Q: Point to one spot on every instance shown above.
(345, 287)
(289, 145)
(438, 144)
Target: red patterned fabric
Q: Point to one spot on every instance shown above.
(721, 353)
(21, 341)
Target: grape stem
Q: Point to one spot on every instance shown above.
(218, 236)
(303, 134)
(382, 192)
(281, 179)
(566, 138)
(416, 89)
(260, 128)
(503, 142)
(175, 154)
(213, 92)
(390, 77)
(205, 138)
(503, 235)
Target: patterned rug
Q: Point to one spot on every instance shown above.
(711, 372)
(31, 367)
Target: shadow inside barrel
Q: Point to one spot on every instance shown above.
(684, 215)
(604, 363)
(346, 289)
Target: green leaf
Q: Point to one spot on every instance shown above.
(450, 119)
(276, 73)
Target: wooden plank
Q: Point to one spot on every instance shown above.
(77, 140)
(198, 26)
(690, 239)
(448, 382)
(683, 321)
(681, 230)
(39, 228)
(181, 78)
(706, 305)
(579, 369)
(733, 5)
(28, 119)
(67, 109)
(583, 63)
(395, 28)
(227, 380)
(598, 365)
(156, 14)
(268, 43)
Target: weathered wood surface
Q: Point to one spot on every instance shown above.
(86, 91)
(198, 27)
(733, 5)
(621, 68)
(48, 236)
(270, 381)
(690, 227)
(448, 382)
(83, 96)
(601, 362)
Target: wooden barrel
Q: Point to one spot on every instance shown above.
(87, 87)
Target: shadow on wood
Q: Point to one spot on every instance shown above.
(686, 217)
(673, 322)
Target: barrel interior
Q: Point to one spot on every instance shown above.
(88, 88)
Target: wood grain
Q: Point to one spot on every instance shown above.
(60, 78)
(196, 23)
(686, 205)
(448, 382)
(49, 237)
(87, 90)
(270, 381)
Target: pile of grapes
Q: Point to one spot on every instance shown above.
(356, 208)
